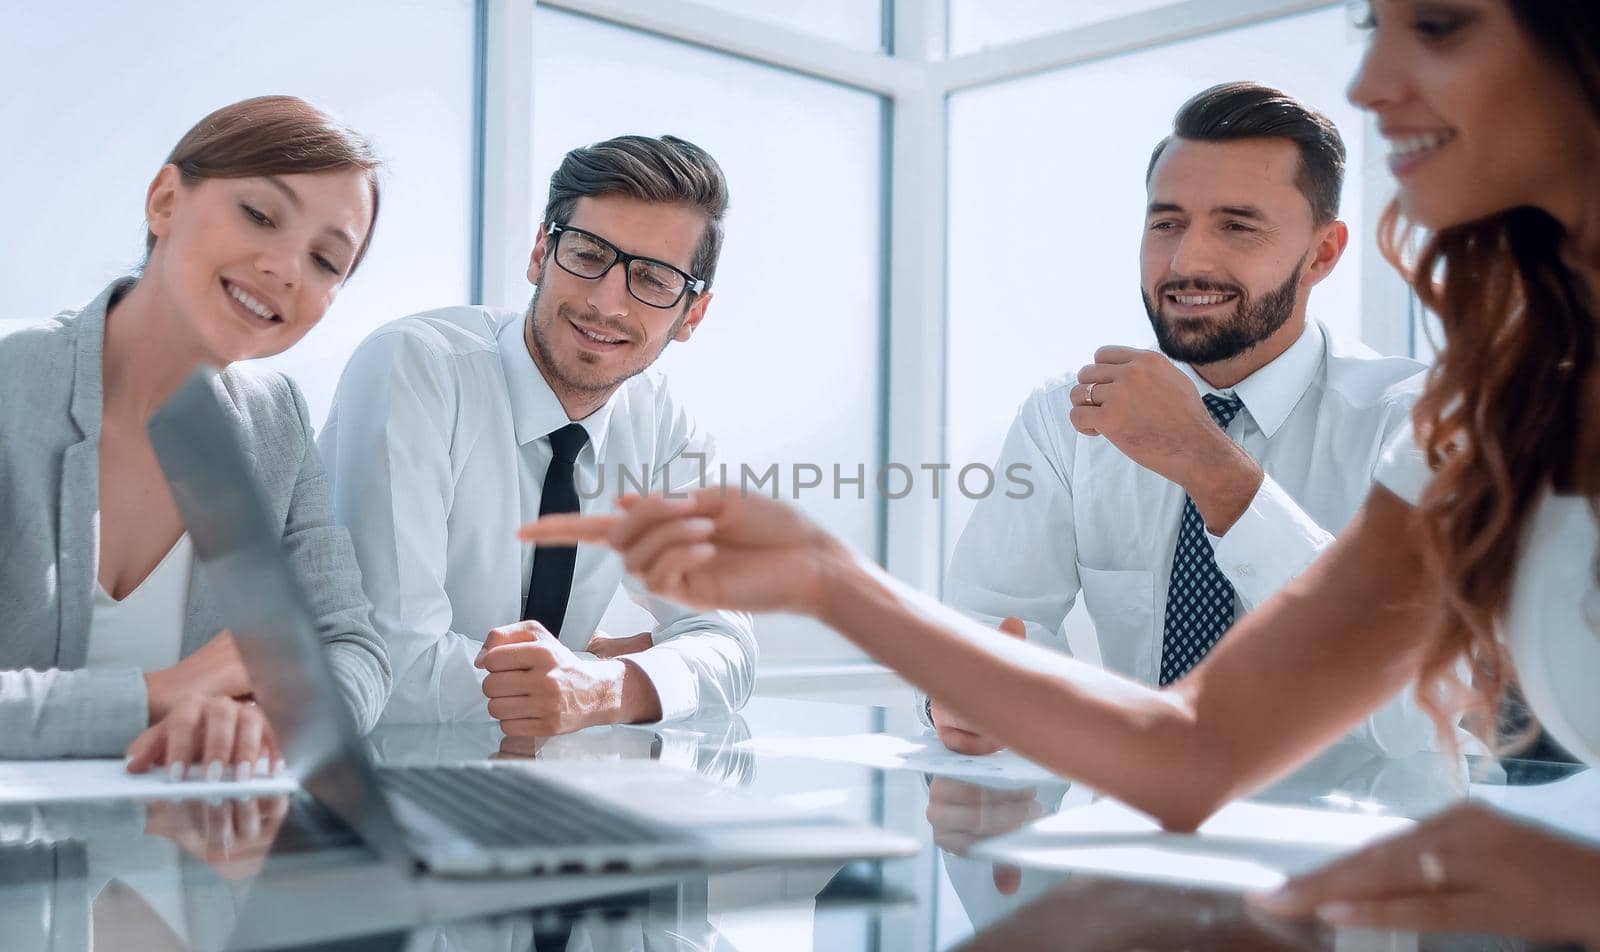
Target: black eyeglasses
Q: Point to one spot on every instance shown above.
(651, 282)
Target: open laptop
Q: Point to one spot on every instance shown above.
(460, 819)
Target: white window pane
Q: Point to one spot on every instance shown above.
(785, 368)
(111, 88)
(976, 24)
(857, 23)
(1059, 162)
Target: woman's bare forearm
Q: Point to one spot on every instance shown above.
(1288, 679)
(1076, 719)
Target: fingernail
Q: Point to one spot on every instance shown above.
(242, 770)
(176, 771)
(1335, 912)
(263, 765)
(214, 771)
(279, 767)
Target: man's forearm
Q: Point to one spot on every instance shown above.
(1225, 479)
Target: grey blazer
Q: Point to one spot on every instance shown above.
(50, 407)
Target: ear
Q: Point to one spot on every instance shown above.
(691, 320)
(541, 247)
(161, 199)
(1332, 239)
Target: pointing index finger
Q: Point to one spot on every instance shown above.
(569, 528)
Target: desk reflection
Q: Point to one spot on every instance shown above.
(709, 746)
(278, 873)
(127, 875)
(1037, 908)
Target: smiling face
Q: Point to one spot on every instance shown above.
(589, 336)
(1230, 251)
(1477, 119)
(250, 265)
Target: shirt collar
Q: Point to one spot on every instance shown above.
(1271, 393)
(535, 411)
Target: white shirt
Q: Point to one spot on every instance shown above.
(1316, 419)
(1552, 623)
(145, 629)
(438, 445)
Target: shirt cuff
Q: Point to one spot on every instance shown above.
(360, 682)
(1272, 542)
(669, 674)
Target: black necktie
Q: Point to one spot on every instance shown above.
(551, 582)
(1200, 597)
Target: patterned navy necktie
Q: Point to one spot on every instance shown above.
(1200, 597)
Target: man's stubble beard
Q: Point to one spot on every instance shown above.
(544, 354)
(1253, 321)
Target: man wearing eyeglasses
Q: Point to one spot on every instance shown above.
(451, 427)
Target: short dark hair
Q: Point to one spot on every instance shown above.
(1244, 110)
(668, 169)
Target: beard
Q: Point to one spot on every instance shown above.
(1203, 342)
(573, 379)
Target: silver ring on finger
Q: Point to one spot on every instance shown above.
(1088, 396)
(1432, 869)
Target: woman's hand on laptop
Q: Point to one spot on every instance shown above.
(215, 670)
(713, 549)
(209, 737)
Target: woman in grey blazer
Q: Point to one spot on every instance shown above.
(255, 221)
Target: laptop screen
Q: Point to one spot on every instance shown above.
(240, 553)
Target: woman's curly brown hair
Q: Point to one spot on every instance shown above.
(1500, 418)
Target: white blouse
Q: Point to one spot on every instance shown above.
(1552, 624)
(145, 629)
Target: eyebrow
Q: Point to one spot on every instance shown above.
(1237, 211)
(288, 191)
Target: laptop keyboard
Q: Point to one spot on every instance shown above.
(500, 807)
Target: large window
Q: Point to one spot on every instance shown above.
(854, 23)
(873, 147)
(1022, 157)
(784, 371)
(97, 94)
(980, 24)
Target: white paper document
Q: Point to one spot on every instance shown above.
(888, 752)
(1245, 846)
(1571, 804)
(34, 781)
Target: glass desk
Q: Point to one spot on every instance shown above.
(277, 872)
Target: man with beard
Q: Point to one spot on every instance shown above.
(451, 427)
(1178, 489)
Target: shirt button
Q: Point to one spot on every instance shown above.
(1243, 570)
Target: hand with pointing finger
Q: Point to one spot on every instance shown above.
(713, 549)
(1152, 412)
